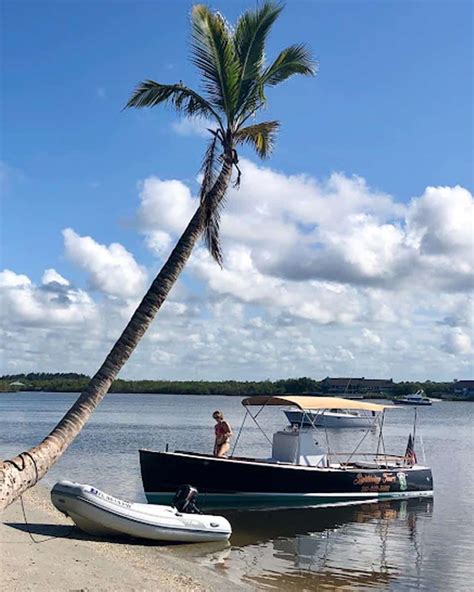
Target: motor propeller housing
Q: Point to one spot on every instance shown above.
(185, 500)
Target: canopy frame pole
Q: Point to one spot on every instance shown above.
(383, 441)
(297, 453)
(360, 442)
(302, 419)
(423, 449)
(312, 417)
(327, 461)
(380, 438)
(326, 434)
(258, 425)
(240, 431)
(414, 424)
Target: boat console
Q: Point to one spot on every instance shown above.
(297, 446)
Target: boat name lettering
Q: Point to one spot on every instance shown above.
(375, 482)
(109, 498)
(367, 479)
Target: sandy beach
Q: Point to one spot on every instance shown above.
(64, 559)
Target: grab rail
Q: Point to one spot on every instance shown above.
(372, 454)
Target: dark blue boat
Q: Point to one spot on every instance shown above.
(299, 471)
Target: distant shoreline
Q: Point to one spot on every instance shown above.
(447, 397)
(342, 387)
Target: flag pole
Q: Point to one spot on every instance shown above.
(423, 449)
(414, 426)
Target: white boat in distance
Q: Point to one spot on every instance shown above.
(99, 514)
(330, 418)
(418, 398)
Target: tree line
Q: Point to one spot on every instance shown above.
(72, 382)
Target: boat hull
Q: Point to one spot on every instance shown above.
(234, 481)
(413, 403)
(100, 514)
(328, 420)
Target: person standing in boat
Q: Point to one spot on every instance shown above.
(223, 433)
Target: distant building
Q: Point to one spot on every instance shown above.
(17, 383)
(357, 386)
(463, 388)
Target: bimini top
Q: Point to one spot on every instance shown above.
(306, 403)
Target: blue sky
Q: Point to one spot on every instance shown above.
(392, 103)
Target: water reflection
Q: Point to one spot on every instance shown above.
(359, 546)
(384, 546)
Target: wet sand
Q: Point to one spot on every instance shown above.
(64, 559)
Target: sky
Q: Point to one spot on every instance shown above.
(348, 253)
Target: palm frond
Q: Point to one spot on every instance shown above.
(209, 168)
(213, 52)
(260, 136)
(210, 197)
(295, 59)
(212, 234)
(250, 36)
(185, 100)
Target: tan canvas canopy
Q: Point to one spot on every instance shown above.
(307, 403)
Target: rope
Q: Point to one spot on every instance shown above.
(23, 467)
(22, 455)
(37, 542)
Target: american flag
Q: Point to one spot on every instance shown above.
(410, 456)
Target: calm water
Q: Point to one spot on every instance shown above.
(411, 544)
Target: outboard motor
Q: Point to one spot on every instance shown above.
(185, 498)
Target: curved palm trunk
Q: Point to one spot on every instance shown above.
(25, 470)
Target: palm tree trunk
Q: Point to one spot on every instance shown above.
(25, 470)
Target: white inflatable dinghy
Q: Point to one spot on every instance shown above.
(98, 513)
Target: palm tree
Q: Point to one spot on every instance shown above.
(235, 77)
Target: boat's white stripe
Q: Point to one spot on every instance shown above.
(367, 494)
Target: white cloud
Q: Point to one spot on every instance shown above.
(193, 126)
(342, 231)
(165, 205)
(110, 269)
(321, 302)
(320, 278)
(165, 209)
(10, 279)
(159, 242)
(53, 303)
(441, 221)
(52, 276)
(370, 337)
(339, 253)
(458, 342)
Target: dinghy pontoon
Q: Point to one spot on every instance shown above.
(98, 513)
